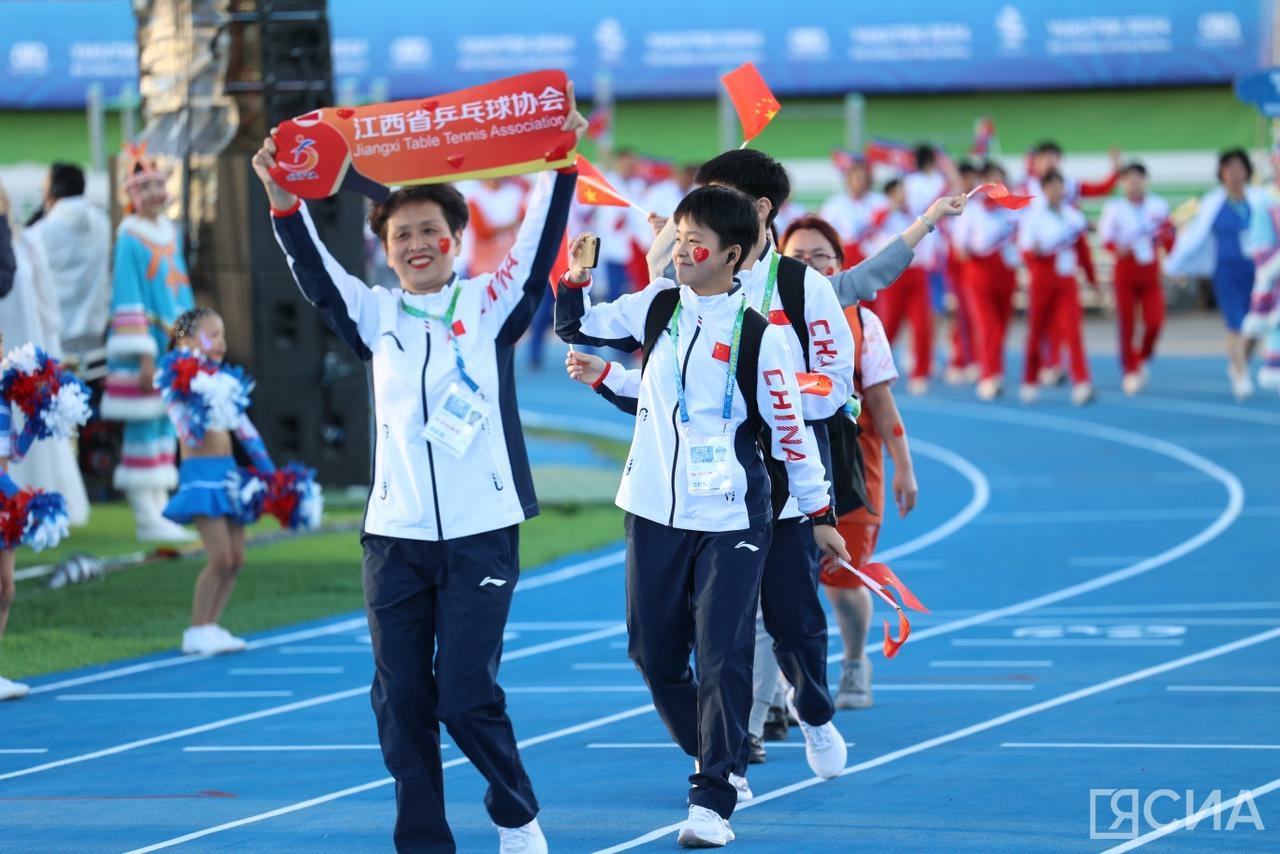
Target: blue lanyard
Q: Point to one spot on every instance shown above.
(674, 330)
(447, 320)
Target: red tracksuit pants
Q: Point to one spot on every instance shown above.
(1055, 301)
(988, 286)
(1138, 285)
(908, 299)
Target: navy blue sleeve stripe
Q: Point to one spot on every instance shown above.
(570, 308)
(315, 280)
(629, 405)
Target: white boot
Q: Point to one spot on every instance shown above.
(153, 527)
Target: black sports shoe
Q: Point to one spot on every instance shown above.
(775, 724)
(756, 753)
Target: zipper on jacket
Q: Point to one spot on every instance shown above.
(386, 438)
(426, 416)
(675, 419)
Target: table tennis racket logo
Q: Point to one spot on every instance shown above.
(305, 159)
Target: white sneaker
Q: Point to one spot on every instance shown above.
(1082, 393)
(207, 640)
(1241, 385)
(824, 746)
(233, 643)
(10, 690)
(704, 829)
(855, 685)
(522, 840)
(1132, 383)
(988, 389)
(1050, 376)
(743, 787)
(1028, 393)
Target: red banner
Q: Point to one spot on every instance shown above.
(507, 127)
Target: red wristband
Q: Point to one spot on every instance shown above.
(575, 285)
(293, 209)
(608, 366)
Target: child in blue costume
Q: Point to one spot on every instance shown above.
(149, 289)
(206, 402)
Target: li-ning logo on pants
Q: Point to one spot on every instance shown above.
(745, 545)
(489, 579)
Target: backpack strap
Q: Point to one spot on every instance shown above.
(655, 322)
(791, 273)
(753, 327)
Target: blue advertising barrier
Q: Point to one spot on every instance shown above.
(52, 50)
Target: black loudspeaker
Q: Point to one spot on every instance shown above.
(312, 397)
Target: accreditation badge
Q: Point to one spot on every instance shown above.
(709, 465)
(456, 421)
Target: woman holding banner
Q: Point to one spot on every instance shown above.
(451, 479)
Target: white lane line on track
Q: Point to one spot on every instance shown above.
(1224, 689)
(386, 781)
(279, 748)
(977, 503)
(1133, 745)
(983, 726)
(174, 695)
(1228, 515)
(359, 691)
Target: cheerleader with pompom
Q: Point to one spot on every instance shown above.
(206, 401)
(55, 404)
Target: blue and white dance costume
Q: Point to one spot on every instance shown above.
(208, 397)
(27, 517)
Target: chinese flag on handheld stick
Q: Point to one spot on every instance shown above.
(595, 189)
(879, 579)
(752, 99)
(1000, 194)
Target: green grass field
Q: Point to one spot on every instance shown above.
(1082, 121)
(143, 609)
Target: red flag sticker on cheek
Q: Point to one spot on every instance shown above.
(445, 245)
(701, 253)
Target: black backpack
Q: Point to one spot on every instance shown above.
(753, 327)
(848, 476)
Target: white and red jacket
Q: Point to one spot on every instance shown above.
(852, 218)
(654, 481)
(1136, 230)
(1048, 235)
(987, 231)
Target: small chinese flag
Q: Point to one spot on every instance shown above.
(1000, 194)
(598, 123)
(721, 352)
(594, 189)
(752, 99)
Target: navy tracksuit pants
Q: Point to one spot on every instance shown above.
(696, 592)
(437, 612)
(794, 618)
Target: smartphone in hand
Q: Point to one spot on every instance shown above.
(590, 255)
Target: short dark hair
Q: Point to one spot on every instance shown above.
(811, 222)
(925, 156)
(752, 172)
(1236, 154)
(1051, 176)
(1134, 167)
(1048, 146)
(451, 202)
(891, 185)
(730, 213)
(65, 180)
(187, 323)
(994, 166)
(966, 167)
